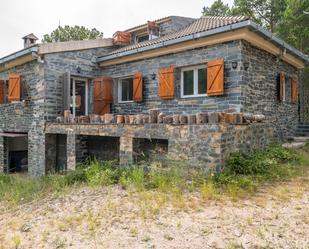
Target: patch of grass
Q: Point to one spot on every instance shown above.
(242, 174)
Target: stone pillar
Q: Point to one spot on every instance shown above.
(71, 151)
(126, 151)
(2, 154)
(36, 153)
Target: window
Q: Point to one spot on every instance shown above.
(125, 90)
(193, 82)
(142, 38)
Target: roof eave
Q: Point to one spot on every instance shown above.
(26, 51)
(244, 24)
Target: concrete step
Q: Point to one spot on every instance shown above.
(293, 145)
(301, 134)
(301, 139)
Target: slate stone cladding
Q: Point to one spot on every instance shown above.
(259, 89)
(27, 116)
(55, 65)
(232, 97)
(205, 146)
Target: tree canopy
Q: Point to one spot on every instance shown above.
(288, 19)
(72, 33)
(218, 8)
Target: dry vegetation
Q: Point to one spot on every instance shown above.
(240, 209)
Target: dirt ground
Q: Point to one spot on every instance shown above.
(109, 217)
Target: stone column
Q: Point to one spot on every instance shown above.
(126, 151)
(36, 153)
(2, 153)
(71, 151)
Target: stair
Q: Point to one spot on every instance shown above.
(300, 139)
(302, 130)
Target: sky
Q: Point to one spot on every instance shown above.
(19, 18)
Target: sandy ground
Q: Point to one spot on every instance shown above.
(276, 217)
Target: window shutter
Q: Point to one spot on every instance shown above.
(281, 84)
(66, 89)
(294, 91)
(14, 90)
(103, 95)
(215, 77)
(138, 87)
(1, 91)
(166, 83)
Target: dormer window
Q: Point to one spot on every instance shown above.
(143, 37)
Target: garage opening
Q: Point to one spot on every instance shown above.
(149, 150)
(17, 149)
(97, 148)
(55, 152)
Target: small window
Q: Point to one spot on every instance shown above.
(193, 82)
(142, 38)
(125, 90)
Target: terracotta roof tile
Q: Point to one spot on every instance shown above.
(202, 24)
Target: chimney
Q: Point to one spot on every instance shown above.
(29, 40)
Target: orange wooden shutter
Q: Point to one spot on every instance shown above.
(282, 80)
(294, 91)
(166, 83)
(138, 87)
(103, 95)
(14, 87)
(215, 77)
(1, 91)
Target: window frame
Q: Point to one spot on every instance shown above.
(195, 81)
(119, 86)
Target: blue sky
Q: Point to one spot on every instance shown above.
(19, 18)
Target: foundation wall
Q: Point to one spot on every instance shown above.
(204, 146)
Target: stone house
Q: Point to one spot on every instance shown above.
(191, 89)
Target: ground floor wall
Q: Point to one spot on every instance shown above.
(205, 146)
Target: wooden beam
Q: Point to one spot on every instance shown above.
(17, 62)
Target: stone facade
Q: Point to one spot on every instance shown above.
(205, 146)
(232, 98)
(259, 88)
(252, 89)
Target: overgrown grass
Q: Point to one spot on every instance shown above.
(242, 174)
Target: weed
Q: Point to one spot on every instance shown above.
(16, 241)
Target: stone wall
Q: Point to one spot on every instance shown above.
(205, 146)
(56, 64)
(232, 97)
(259, 89)
(246, 138)
(27, 116)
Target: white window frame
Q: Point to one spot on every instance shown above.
(284, 94)
(74, 79)
(195, 81)
(120, 89)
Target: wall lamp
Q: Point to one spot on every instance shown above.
(153, 76)
(78, 70)
(234, 64)
(246, 65)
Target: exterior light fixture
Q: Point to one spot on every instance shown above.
(78, 69)
(234, 64)
(246, 65)
(153, 76)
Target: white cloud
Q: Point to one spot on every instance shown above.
(19, 18)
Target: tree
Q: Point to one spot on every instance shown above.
(68, 33)
(293, 27)
(218, 8)
(267, 13)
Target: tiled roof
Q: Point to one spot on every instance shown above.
(202, 24)
(145, 24)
